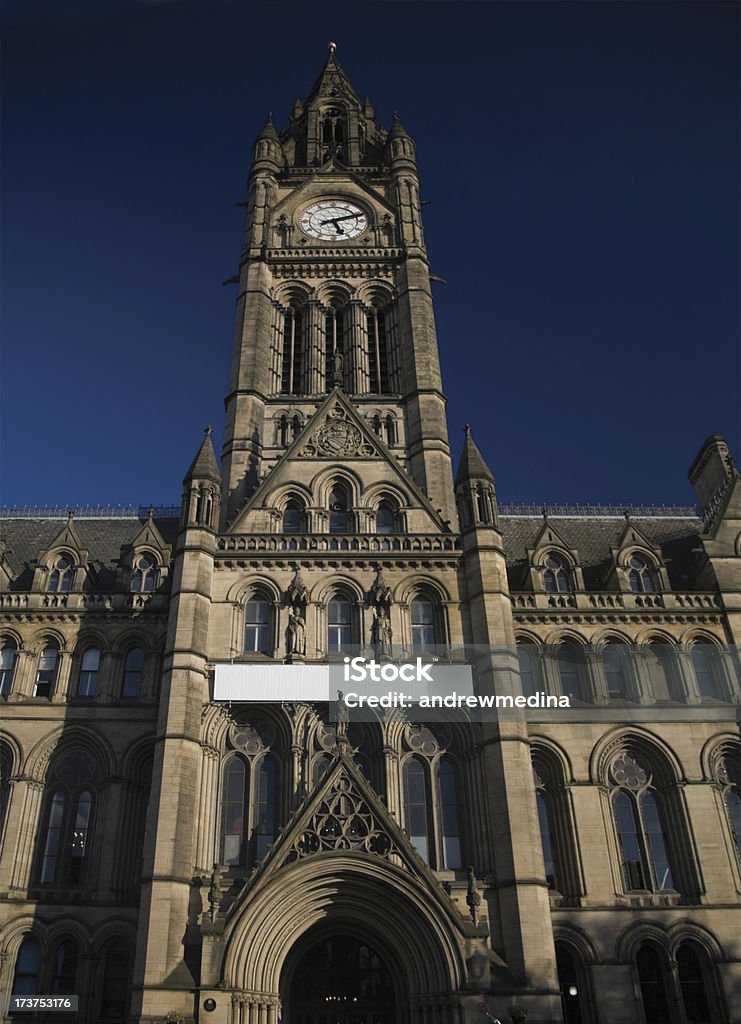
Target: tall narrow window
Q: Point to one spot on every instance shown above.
(54, 829)
(133, 673)
(547, 838)
(378, 361)
(234, 811)
(729, 776)
(60, 580)
(416, 809)
(339, 620)
(8, 653)
(144, 577)
(116, 984)
(660, 667)
(571, 670)
(614, 660)
(293, 517)
(640, 827)
(46, 675)
(65, 969)
(423, 625)
(690, 963)
(556, 577)
(447, 782)
(266, 823)
(641, 575)
(290, 383)
(6, 767)
(78, 846)
(385, 518)
(257, 625)
(527, 655)
(89, 666)
(651, 979)
(339, 510)
(334, 348)
(569, 982)
(703, 668)
(27, 965)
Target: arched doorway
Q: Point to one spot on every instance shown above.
(339, 979)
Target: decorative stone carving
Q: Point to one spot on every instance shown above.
(296, 593)
(296, 634)
(626, 771)
(473, 896)
(337, 436)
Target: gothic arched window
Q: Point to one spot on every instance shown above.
(339, 509)
(640, 826)
(145, 574)
(528, 657)
(133, 673)
(27, 966)
(267, 806)
(234, 811)
(449, 810)
(385, 518)
(293, 517)
(114, 1003)
(87, 683)
(65, 839)
(614, 659)
(424, 634)
(64, 969)
(692, 968)
(46, 674)
(334, 347)
(556, 576)
(652, 983)
(378, 352)
(570, 982)
(701, 655)
(292, 353)
(8, 654)
(62, 574)
(547, 834)
(729, 777)
(661, 668)
(642, 575)
(339, 623)
(257, 625)
(572, 669)
(416, 806)
(6, 767)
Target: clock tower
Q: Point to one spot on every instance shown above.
(334, 295)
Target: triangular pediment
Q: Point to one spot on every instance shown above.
(68, 538)
(632, 536)
(337, 434)
(345, 814)
(549, 537)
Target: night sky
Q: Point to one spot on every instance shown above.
(582, 166)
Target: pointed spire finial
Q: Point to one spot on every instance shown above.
(208, 430)
(467, 429)
(332, 49)
(70, 514)
(150, 513)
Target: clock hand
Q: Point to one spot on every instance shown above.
(334, 220)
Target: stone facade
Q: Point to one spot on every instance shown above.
(166, 853)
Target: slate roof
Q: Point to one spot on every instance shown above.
(103, 539)
(593, 536)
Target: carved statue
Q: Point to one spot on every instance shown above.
(296, 593)
(342, 718)
(215, 892)
(380, 591)
(381, 631)
(337, 360)
(296, 633)
(473, 896)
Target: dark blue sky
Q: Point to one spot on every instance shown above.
(582, 162)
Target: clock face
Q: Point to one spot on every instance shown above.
(334, 220)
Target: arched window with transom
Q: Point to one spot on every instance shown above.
(642, 575)
(62, 574)
(133, 674)
(340, 633)
(556, 575)
(615, 662)
(257, 630)
(340, 520)
(433, 796)
(145, 576)
(47, 671)
(234, 811)
(87, 683)
(64, 969)
(424, 625)
(27, 967)
(8, 658)
(641, 826)
(250, 794)
(65, 838)
(701, 655)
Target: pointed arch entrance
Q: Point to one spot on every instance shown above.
(338, 978)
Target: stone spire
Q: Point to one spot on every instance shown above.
(332, 80)
(204, 466)
(472, 465)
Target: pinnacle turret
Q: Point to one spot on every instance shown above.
(472, 465)
(204, 466)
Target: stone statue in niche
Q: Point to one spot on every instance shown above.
(296, 633)
(381, 632)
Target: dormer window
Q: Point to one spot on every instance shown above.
(62, 574)
(641, 575)
(556, 577)
(144, 577)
